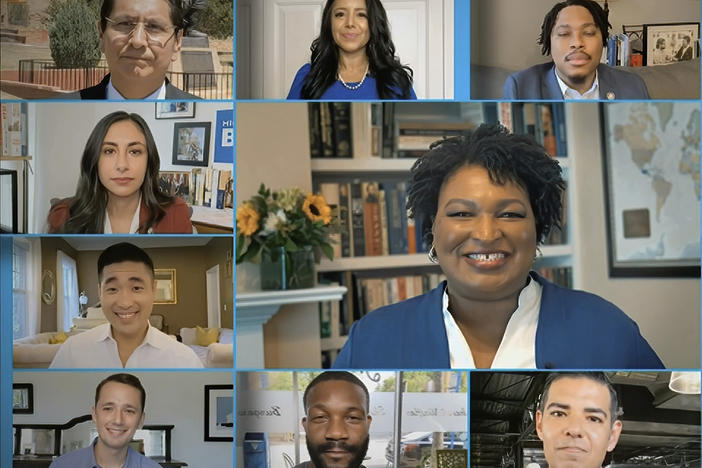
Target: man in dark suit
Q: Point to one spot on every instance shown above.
(140, 39)
(573, 33)
(685, 51)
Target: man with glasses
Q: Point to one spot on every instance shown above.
(140, 39)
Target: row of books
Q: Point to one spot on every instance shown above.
(545, 122)
(204, 187)
(562, 276)
(372, 219)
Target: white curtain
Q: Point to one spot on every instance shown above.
(67, 306)
(26, 287)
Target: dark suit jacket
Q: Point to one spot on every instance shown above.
(576, 330)
(684, 53)
(99, 91)
(539, 82)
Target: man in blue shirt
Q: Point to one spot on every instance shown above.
(117, 414)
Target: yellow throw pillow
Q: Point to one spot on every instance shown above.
(60, 337)
(206, 336)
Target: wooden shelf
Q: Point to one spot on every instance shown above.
(15, 158)
(246, 300)
(361, 165)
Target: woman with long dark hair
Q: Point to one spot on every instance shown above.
(353, 57)
(118, 190)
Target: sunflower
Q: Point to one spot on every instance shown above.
(316, 209)
(246, 219)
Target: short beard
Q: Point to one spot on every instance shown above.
(359, 451)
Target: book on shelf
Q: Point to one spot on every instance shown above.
(330, 129)
(372, 218)
(545, 122)
(562, 276)
(208, 187)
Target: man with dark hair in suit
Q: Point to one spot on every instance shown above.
(685, 50)
(573, 33)
(140, 39)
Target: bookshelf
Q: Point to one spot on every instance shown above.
(367, 164)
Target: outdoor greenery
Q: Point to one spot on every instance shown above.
(73, 36)
(216, 19)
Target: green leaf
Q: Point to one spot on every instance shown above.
(327, 251)
(290, 246)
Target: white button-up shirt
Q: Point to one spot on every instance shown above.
(114, 95)
(570, 93)
(516, 350)
(96, 348)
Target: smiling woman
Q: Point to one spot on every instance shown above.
(353, 57)
(118, 189)
(485, 201)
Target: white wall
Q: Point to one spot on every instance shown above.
(171, 398)
(504, 32)
(62, 129)
(667, 310)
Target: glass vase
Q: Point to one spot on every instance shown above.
(281, 270)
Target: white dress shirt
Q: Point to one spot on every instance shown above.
(133, 227)
(570, 93)
(96, 348)
(114, 95)
(516, 350)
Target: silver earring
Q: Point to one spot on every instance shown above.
(432, 254)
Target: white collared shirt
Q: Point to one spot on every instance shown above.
(570, 93)
(133, 227)
(114, 95)
(516, 350)
(96, 348)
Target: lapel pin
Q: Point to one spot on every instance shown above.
(610, 95)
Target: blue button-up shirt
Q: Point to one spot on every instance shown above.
(85, 458)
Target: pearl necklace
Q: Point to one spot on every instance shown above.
(356, 86)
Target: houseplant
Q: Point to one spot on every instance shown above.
(284, 231)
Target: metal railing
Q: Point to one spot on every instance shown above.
(206, 85)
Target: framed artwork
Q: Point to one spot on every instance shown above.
(165, 286)
(219, 413)
(22, 398)
(191, 143)
(651, 170)
(175, 110)
(175, 184)
(670, 43)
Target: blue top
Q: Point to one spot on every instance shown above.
(576, 330)
(338, 92)
(85, 458)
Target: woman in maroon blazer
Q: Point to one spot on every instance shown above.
(118, 190)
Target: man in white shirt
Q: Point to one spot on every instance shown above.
(577, 419)
(126, 289)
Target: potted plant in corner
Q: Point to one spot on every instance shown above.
(283, 230)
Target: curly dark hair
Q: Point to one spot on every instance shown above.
(597, 12)
(87, 207)
(507, 158)
(390, 75)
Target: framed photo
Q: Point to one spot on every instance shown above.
(22, 398)
(175, 110)
(165, 286)
(191, 143)
(651, 172)
(175, 184)
(219, 413)
(670, 42)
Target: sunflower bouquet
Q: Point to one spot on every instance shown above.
(287, 219)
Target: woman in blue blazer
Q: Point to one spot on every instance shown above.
(353, 57)
(485, 201)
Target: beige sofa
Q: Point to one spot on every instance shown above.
(35, 351)
(218, 355)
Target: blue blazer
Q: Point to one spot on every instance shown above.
(539, 82)
(576, 330)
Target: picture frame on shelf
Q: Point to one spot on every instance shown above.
(165, 292)
(175, 184)
(175, 110)
(666, 43)
(22, 398)
(191, 143)
(651, 184)
(219, 413)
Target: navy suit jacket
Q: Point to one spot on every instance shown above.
(576, 330)
(539, 82)
(99, 91)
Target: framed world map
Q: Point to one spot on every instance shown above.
(651, 167)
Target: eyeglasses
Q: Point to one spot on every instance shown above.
(156, 34)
